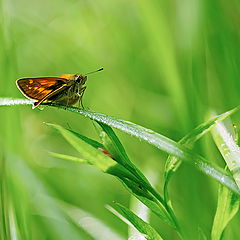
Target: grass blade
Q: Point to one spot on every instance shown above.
(54, 222)
(68, 157)
(228, 202)
(11, 102)
(90, 141)
(165, 144)
(173, 163)
(92, 225)
(142, 226)
(223, 137)
(113, 144)
(151, 202)
(94, 156)
(108, 165)
(4, 204)
(227, 208)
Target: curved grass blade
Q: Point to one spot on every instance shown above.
(108, 165)
(113, 144)
(140, 132)
(173, 163)
(227, 208)
(68, 157)
(130, 217)
(151, 202)
(92, 225)
(94, 156)
(228, 202)
(223, 137)
(141, 211)
(92, 142)
(12, 101)
(165, 144)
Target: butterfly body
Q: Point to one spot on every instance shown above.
(67, 89)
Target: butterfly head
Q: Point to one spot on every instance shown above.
(81, 79)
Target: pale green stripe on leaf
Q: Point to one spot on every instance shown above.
(68, 157)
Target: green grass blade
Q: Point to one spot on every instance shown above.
(228, 202)
(142, 226)
(11, 102)
(140, 132)
(90, 141)
(94, 156)
(141, 211)
(173, 163)
(161, 142)
(113, 144)
(4, 204)
(13, 219)
(223, 137)
(201, 235)
(115, 147)
(106, 164)
(93, 226)
(205, 127)
(227, 208)
(54, 222)
(14, 225)
(151, 202)
(157, 210)
(68, 157)
(165, 144)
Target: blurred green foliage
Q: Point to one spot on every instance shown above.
(166, 64)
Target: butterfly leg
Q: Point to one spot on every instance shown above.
(68, 96)
(81, 92)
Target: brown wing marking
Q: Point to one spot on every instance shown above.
(39, 88)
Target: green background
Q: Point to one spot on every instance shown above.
(166, 65)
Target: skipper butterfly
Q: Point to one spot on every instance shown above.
(67, 89)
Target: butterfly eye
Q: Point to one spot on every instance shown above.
(78, 79)
(81, 79)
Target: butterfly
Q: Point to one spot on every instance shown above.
(67, 89)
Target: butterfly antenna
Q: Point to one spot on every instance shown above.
(100, 69)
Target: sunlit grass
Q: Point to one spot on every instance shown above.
(166, 66)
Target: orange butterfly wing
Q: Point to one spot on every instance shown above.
(40, 88)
